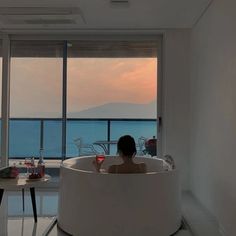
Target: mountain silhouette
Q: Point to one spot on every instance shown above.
(118, 110)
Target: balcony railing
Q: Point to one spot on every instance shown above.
(28, 135)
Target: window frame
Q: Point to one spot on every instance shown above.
(7, 38)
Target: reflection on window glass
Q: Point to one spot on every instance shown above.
(35, 95)
(46, 205)
(50, 204)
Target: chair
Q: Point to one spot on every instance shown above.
(141, 146)
(84, 149)
(151, 146)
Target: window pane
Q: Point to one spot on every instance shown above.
(52, 138)
(137, 129)
(24, 138)
(112, 87)
(36, 93)
(113, 80)
(89, 131)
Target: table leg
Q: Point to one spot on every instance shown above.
(1, 195)
(32, 193)
(23, 199)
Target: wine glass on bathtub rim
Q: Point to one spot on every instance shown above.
(100, 158)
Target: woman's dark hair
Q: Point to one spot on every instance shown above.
(126, 145)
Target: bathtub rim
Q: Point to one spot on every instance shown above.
(66, 166)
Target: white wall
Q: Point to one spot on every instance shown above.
(213, 112)
(176, 84)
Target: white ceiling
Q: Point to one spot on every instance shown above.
(99, 15)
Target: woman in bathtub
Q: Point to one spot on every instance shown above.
(126, 149)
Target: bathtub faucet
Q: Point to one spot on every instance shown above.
(169, 160)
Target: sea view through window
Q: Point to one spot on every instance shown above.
(110, 93)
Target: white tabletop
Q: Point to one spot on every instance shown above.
(106, 142)
(22, 181)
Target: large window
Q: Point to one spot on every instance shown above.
(111, 88)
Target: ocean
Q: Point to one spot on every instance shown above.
(27, 135)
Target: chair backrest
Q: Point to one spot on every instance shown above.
(141, 145)
(151, 146)
(78, 142)
(84, 149)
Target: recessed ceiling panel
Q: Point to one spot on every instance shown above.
(101, 14)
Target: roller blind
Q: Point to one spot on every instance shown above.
(111, 49)
(86, 48)
(42, 48)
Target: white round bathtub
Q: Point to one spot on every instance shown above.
(104, 204)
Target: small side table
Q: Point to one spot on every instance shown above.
(22, 183)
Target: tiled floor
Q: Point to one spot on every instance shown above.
(25, 227)
(13, 223)
(201, 222)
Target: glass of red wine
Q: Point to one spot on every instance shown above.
(100, 158)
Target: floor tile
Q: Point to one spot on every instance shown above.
(25, 226)
(15, 222)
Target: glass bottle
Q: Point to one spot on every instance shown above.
(41, 164)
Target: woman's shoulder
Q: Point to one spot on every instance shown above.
(122, 168)
(113, 168)
(143, 166)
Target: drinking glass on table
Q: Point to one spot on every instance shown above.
(32, 165)
(27, 164)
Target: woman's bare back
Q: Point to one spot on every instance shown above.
(128, 168)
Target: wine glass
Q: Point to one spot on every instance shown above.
(27, 164)
(100, 158)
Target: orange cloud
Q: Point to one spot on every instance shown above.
(36, 84)
(93, 82)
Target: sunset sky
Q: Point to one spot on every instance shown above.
(100, 81)
(36, 84)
